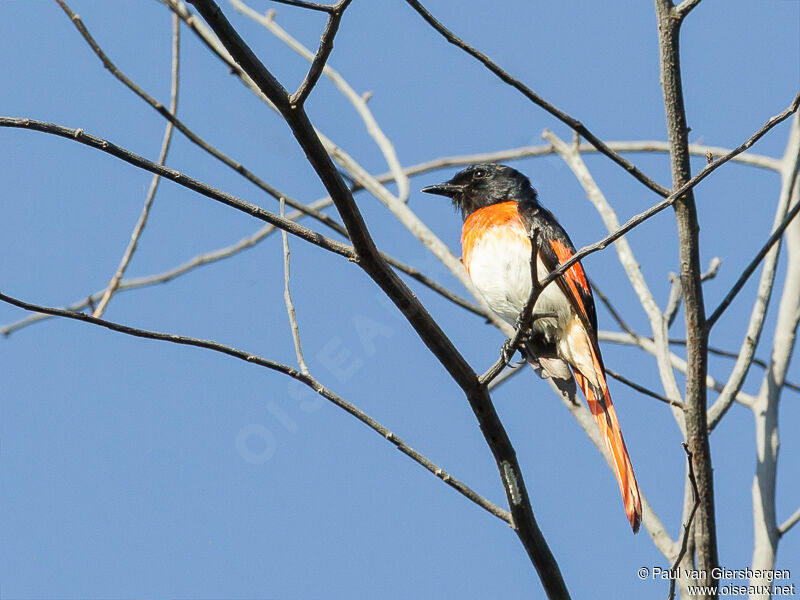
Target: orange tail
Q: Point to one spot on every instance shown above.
(606, 417)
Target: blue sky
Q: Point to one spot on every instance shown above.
(133, 468)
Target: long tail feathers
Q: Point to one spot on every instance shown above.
(603, 411)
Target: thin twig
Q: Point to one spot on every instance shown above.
(151, 192)
(611, 309)
(640, 388)
(324, 51)
(685, 7)
(213, 256)
(356, 100)
(766, 282)
(751, 267)
(507, 374)
(495, 435)
(728, 354)
(287, 297)
(189, 133)
(304, 378)
(688, 525)
(309, 5)
(658, 325)
(411, 221)
(538, 100)
(79, 135)
(676, 291)
(524, 319)
(643, 146)
(784, 528)
(672, 198)
(646, 344)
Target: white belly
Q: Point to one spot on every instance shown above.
(501, 271)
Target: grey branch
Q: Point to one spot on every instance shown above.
(370, 260)
(188, 132)
(287, 297)
(303, 378)
(538, 100)
(151, 192)
(687, 527)
(784, 528)
(672, 198)
(769, 253)
(79, 135)
(325, 48)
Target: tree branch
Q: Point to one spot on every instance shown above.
(672, 198)
(687, 527)
(658, 323)
(685, 7)
(287, 297)
(324, 51)
(189, 133)
(309, 5)
(370, 260)
(770, 253)
(784, 528)
(79, 135)
(705, 537)
(151, 192)
(304, 378)
(538, 100)
(753, 265)
(356, 100)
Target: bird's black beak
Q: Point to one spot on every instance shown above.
(444, 189)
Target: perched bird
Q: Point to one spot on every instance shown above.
(502, 215)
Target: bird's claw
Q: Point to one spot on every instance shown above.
(507, 352)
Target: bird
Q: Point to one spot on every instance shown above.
(503, 219)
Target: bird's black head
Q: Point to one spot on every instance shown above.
(485, 184)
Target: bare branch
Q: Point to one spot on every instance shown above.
(643, 390)
(728, 354)
(754, 160)
(765, 408)
(304, 378)
(370, 260)
(357, 100)
(672, 198)
(784, 528)
(687, 527)
(189, 133)
(324, 51)
(658, 323)
(753, 265)
(580, 412)
(507, 374)
(685, 7)
(646, 344)
(309, 5)
(129, 157)
(676, 291)
(770, 253)
(705, 535)
(287, 297)
(151, 192)
(538, 100)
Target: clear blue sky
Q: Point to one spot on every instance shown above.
(133, 468)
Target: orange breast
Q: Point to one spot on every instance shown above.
(478, 223)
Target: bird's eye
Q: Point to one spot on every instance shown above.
(478, 174)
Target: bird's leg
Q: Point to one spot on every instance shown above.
(507, 351)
